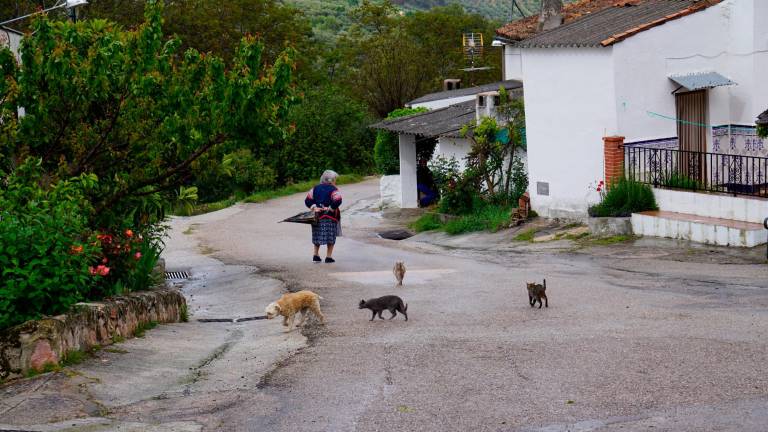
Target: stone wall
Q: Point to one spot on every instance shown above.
(34, 344)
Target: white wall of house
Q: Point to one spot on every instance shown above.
(11, 40)
(408, 186)
(568, 107)
(576, 96)
(513, 63)
(457, 148)
(442, 103)
(721, 39)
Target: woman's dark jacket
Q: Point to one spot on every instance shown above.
(325, 196)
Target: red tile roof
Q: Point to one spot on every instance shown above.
(528, 26)
(625, 24)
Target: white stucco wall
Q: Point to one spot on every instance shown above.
(722, 38)
(569, 95)
(513, 63)
(453, 147)
(442, 103)
(408, 187)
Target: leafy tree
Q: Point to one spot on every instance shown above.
(386, 151)
(130, 108)
(218, 26)
(331, 133)
(389, 59)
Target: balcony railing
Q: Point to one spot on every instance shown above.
(698, 171)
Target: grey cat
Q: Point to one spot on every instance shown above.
(536, 292)
(393, 304)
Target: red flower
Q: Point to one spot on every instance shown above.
(128, 233)
(137, 256)
(91, 270)
(102, 270)
(76, 249)
(105, 260)
(105, 238)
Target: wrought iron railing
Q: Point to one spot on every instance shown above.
(712, 172)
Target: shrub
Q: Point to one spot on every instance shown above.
(46, 247)
(624, 198)
(486, 218)
(386, 152)
(331, 132)
(681, 181)
(426, 222)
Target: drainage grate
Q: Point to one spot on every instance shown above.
(176, 275)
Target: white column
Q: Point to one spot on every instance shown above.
(409, 194)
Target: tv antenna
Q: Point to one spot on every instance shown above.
(519, 9)
(472, 44)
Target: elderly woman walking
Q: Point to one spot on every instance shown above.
(325, 200)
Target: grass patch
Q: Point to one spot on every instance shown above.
(184, 313)
(74, 357)
(427, 222)
(527, 235)
(116, 338)
(576, 236)
(48, 367)
(605, 241)
(489, 218)
(142, 328)
(258, 197)
(299, 187)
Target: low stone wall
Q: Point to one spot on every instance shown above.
(35, 344)
(609, 226)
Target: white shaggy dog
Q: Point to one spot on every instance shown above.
(291, 303)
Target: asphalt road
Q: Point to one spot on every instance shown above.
(631, 341)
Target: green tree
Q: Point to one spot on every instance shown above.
(331, 133)
(130, 108)
(386, 150)
(389, 59)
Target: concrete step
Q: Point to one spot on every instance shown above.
(721, 232)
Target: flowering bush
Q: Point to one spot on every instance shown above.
(46, 248)
(622, 199)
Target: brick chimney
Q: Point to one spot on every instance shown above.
(551, 15)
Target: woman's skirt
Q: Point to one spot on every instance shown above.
(325, 232)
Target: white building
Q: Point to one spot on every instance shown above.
(450, 111)
(10, 38)
(649, 71)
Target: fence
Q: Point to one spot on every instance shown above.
(683, 169)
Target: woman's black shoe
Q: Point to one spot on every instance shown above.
(316, 258)
(330, 260)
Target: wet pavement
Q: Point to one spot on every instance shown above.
(646, 335)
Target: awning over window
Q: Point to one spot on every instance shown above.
(701, 80)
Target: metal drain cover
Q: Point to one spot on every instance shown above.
(176, 275)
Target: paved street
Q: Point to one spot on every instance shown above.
(654, 336)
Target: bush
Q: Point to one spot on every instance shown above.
(624, 198)
(331, 132)
(426, 222)
(45, 245)
(386, 150)
(487, 218)
(680, 181)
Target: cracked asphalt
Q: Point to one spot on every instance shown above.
(652, 335)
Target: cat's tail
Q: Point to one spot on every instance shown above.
(405, 308)
(545, 284)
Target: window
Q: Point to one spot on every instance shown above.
(481, 101)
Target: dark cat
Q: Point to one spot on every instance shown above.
(536, 292)
(392, 303)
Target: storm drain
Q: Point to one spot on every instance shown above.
(232, 320)
(176, 275)
(396, 234)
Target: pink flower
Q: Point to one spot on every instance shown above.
(105, 260)
(137, 256)
(91, 270)
(102, 270)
